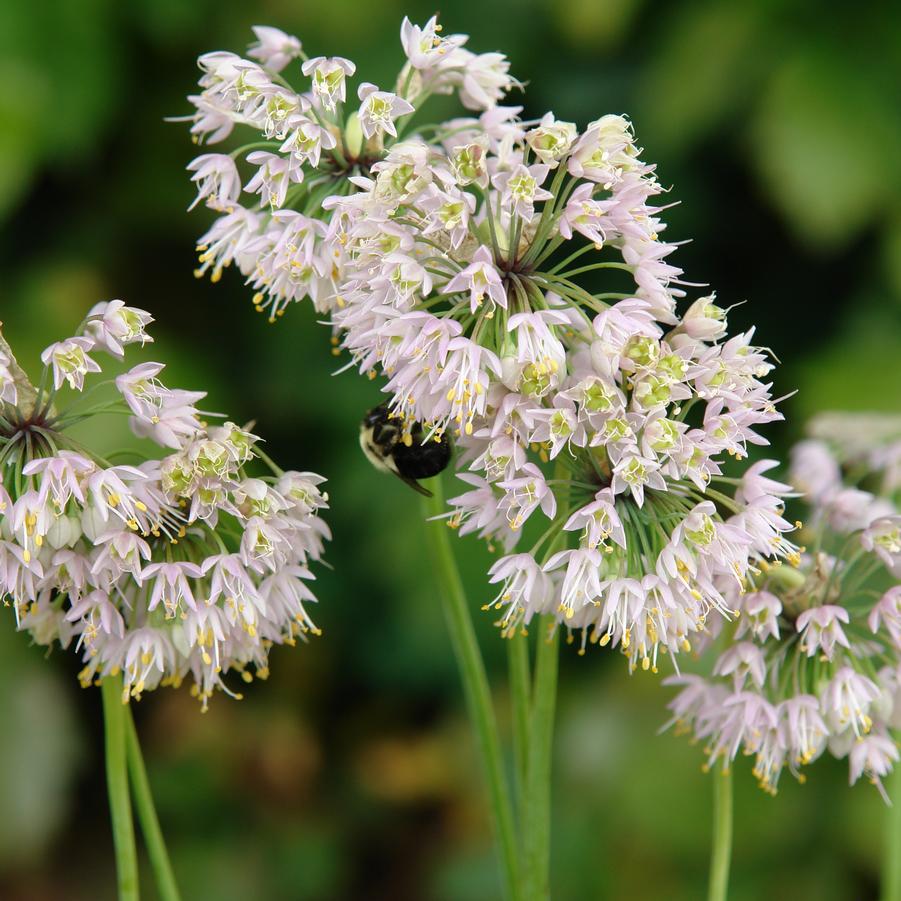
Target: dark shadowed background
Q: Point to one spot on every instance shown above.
(351, 773)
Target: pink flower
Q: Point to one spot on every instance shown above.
(820, 629)
(759, 615)
(584, 215)
(70, 361)
(171, 585)
(480, 278)
(274, 49)
(525, 590)
(599, 520)
(873, 756)
(740, 661)
(887, 612)
(582, 580)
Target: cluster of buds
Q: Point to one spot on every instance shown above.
(305, 147)
(812, 664)
(175, 566)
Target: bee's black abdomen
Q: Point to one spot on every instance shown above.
(382, 439)
(422, 461)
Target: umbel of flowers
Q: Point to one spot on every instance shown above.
(510, 281)
(184, 563)
(304, 147)
(812, 665)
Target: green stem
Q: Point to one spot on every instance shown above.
(117, 786)
(721, 851)
(891, 861)
(520, 677)
(475, 686)
(537, 815)
(150, 824)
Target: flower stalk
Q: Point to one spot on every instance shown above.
(537, 812)
(519, 669)
(476, 689)
(891, 866)
(114, 723)
(721, 848)
(150, 824)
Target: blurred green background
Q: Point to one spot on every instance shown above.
(351, 773)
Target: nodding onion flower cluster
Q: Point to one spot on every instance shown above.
(812, 665)
(868, 445)
(305, 150)
(466, 260)
(179, 565)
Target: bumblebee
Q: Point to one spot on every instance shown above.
(405, 452)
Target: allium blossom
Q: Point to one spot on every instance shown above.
(148, 569)
(511, 283)
(820, 653)
(316, 150)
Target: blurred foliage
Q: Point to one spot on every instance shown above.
(351, 773)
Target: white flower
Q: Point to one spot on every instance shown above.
(820, 629)
(704, 320)
(329, 76)
(584, 215)
(760, 615)
(887, 611)
(273, 177)
(846, 701)
(62, 477)
(480, 278)
(274, 49)
(526, 493)
(423, 46)
(883, 536)
(113, 326)
(485, 79)
(171, 586)
(306, 140)
(806, 730)
(634, 473)
(740, 661)
(605, 152)
(581, 582)
(8, 392)
(873, 756)
(525, 590)
(217, 179)
(599, 521)
(814, 470)
(520, 189)
(70, 361)
(380, 109)
(551, 139)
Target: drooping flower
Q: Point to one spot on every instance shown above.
(141, 565)
(821, 654)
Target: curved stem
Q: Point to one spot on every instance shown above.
(475, 686)
(721, 850)
(117, 786)
(150, 824)
(537, 812)
(891, 861)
